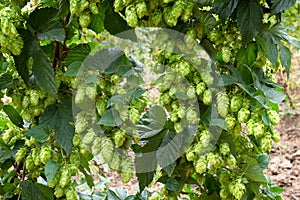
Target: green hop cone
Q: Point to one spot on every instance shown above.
(127, 170)
(258, 130)
(34, 98)
(200, 88)
(107, 148)
(231, 161)
(207, 78)
(226, 54)
(89, 137)
(187, 11)
(223, 193)
(115, 162)
(101, 106)
(21, 153)
(178, 127)
(118, 5)
(155, 17)
(184, 68)
(45, 155)
(266, 142)
(96, 148)
(190, 38)
(191, 116)
(236, 103)
(75, 159)
(191, 94)
(250, 126)
(190, 156)
(25, 102)
(59, 192)
(84, 20)
(76, 140)
(169, 19)
(243, 115)
(224, 148)
(134, 115)
(207, 97)
(65, 177)
(71, 194)
(230, 122)
(94, 8)
(54, 181)
(200, 165)
(81, 124)
(36, 156)
(237, 189)
(29, 163)
(177, 9)
(131, 16)
(141, 9)
(275, 136)
(80, 96)
(173, 117)
(119, 137)
(274, 117)
(222, 104)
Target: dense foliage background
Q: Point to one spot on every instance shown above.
(66, 98)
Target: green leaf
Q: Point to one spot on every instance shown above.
(6, 81)
(40, 132)
(255, 173)
(102, 59)
(116, 99)
(225, 10)
(280, 33)
(281, 5)
(47, 192)
(88, 178)
(110, 117)
(273, 95)
(51, 168)
(145, 179)
(42, 70)
(111, 195)
(247, 55)
(21, 61)
(77, 53)
(60, 117)
(53, 32)
(153, 122)
(206, 18)
(40, 19)
(13, 115)
(172, 184)
(285, 58)
(249, 19)
(97, 21)
(114, 23)
(263, 160)
(5, 153)
(211, 184)
(31, 192)
(73, 68)
(266, 119)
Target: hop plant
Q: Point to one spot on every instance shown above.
(222, 103)
(236, 103)
(131, 16)
(237, 188)
(243, 115)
